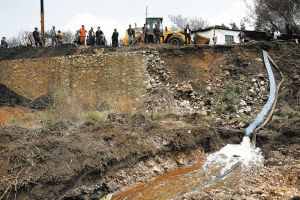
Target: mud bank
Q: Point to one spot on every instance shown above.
(77, 163)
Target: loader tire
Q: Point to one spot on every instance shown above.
(175, 40)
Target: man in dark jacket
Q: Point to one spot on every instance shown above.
(4, 43)
(187, 34)
(99, 35)
(289, 30)
(156, 32)
(92, 36)
(241, 36)
(145, 34)
(36, 36)
(131, 34)
(115, 38)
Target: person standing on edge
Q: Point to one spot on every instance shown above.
(241, 36)
(130, 32)
(60, 38)
(187, 34)
(156, 32)
(77, 37)
(145, 33)
(29, 41)
(277, 34)
(99, 36)
(36, 36)
(82, 32)
(4, 43)
(92, 36)
(53, 36)
(289, 30)
(115, 38)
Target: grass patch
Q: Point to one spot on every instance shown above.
(287, 113)
(161, 115)
(242, 117)
(220, 109)
(94, 116)
(231, 97)
(49, 121)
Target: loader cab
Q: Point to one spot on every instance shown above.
(150, 25)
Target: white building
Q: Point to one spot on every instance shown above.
(223, 35)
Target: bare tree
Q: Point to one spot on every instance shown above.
(243, 23)
(179, 22)
(68, 37)
(19, 39)
(234, 26)
(275, 14)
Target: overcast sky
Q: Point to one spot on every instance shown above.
(19, 15)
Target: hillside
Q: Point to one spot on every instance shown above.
(83, 124)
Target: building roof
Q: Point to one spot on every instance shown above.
(221, 28)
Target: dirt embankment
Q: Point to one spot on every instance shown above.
(58, 162)
(90, 160)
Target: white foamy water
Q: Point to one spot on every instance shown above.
(232, 153)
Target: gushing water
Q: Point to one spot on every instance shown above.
(232, 153)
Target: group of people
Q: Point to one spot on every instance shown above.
(34, 39)
(277, 35)
(56, 38)
(81, 37)
(92, 38)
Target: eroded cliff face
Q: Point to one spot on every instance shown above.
(110, 77)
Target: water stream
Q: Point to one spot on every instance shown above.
(175, 183)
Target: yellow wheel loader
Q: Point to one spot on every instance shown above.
(171, 37)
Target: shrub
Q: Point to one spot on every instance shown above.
(219, 109)
(94, 116)
(231, 97)
(287, 112)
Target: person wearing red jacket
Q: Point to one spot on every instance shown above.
(82, 33)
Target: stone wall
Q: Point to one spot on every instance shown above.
(114, 78)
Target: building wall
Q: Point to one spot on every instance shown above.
(220, 35)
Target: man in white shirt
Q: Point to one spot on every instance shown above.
(187, 34)
(277, 34)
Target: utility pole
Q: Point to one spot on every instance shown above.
(42, 23)
(145, 26)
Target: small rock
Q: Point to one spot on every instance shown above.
(243, 103)
(233, 121)
(242, 124)
(241, 110)
(253, 80)
(166, 143)
(248, 109)
(203, 113)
